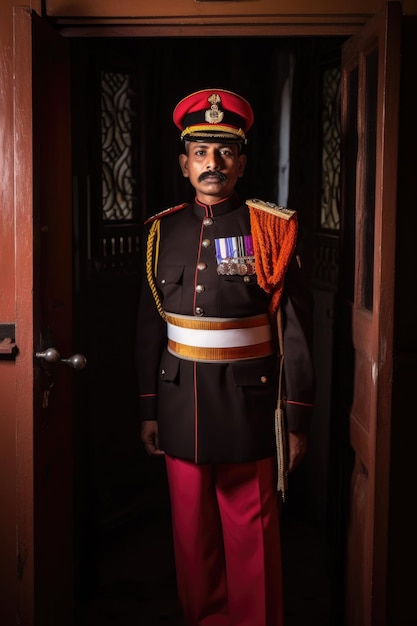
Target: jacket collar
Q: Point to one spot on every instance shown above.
(219, 208)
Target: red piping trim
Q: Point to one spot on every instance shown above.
(195, 416)
(197, 201)
(198, 260)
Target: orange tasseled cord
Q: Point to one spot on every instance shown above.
(274, 240)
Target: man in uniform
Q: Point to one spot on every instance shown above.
(219, 274)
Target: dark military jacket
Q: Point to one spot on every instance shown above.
(218, 412)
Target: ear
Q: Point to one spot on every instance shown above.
(183, 160)
(242, 164)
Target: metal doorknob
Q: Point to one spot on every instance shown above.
(51, 355)
(76, 361)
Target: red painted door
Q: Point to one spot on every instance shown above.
(44, 320)
(370, 101)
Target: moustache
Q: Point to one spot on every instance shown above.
(219, 175)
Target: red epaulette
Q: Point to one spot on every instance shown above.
(171, 209)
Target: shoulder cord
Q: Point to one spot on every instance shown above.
(280, 433)
(152, 268)
(274, 242)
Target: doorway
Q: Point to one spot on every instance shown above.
(118, 488)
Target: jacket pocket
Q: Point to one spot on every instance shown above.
(256, 372)
(170, 283)
(169, 368)
(247, 280)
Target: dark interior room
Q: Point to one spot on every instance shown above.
(124, 557)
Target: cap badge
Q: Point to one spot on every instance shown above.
(214, 115)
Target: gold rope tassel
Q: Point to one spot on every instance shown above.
(152, 253)
(280, 432)
(274, 241)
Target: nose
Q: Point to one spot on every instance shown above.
(213, 160)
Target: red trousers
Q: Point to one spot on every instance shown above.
(226, 542)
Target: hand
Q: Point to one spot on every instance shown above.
(297, 444)
(150, 437)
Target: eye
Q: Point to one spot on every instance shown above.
(226, 152)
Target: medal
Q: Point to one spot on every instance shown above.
(235, 256)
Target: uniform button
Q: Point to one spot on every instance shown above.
(206, 243)
(163, 281)
(264, 379)
(199, 311)
(162, 372)
(246, 279)
(200, 288)
(202, 266)
(207, 221)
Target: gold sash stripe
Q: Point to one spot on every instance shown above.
(194, 353)
(207, 323)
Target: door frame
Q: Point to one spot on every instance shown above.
(23, 206)
(41, 426)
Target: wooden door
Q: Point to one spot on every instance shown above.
(44, 290)
(370, 99)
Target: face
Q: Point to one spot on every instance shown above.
(213, 169)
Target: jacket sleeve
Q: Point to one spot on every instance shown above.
(150, 343)
(297, 306)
